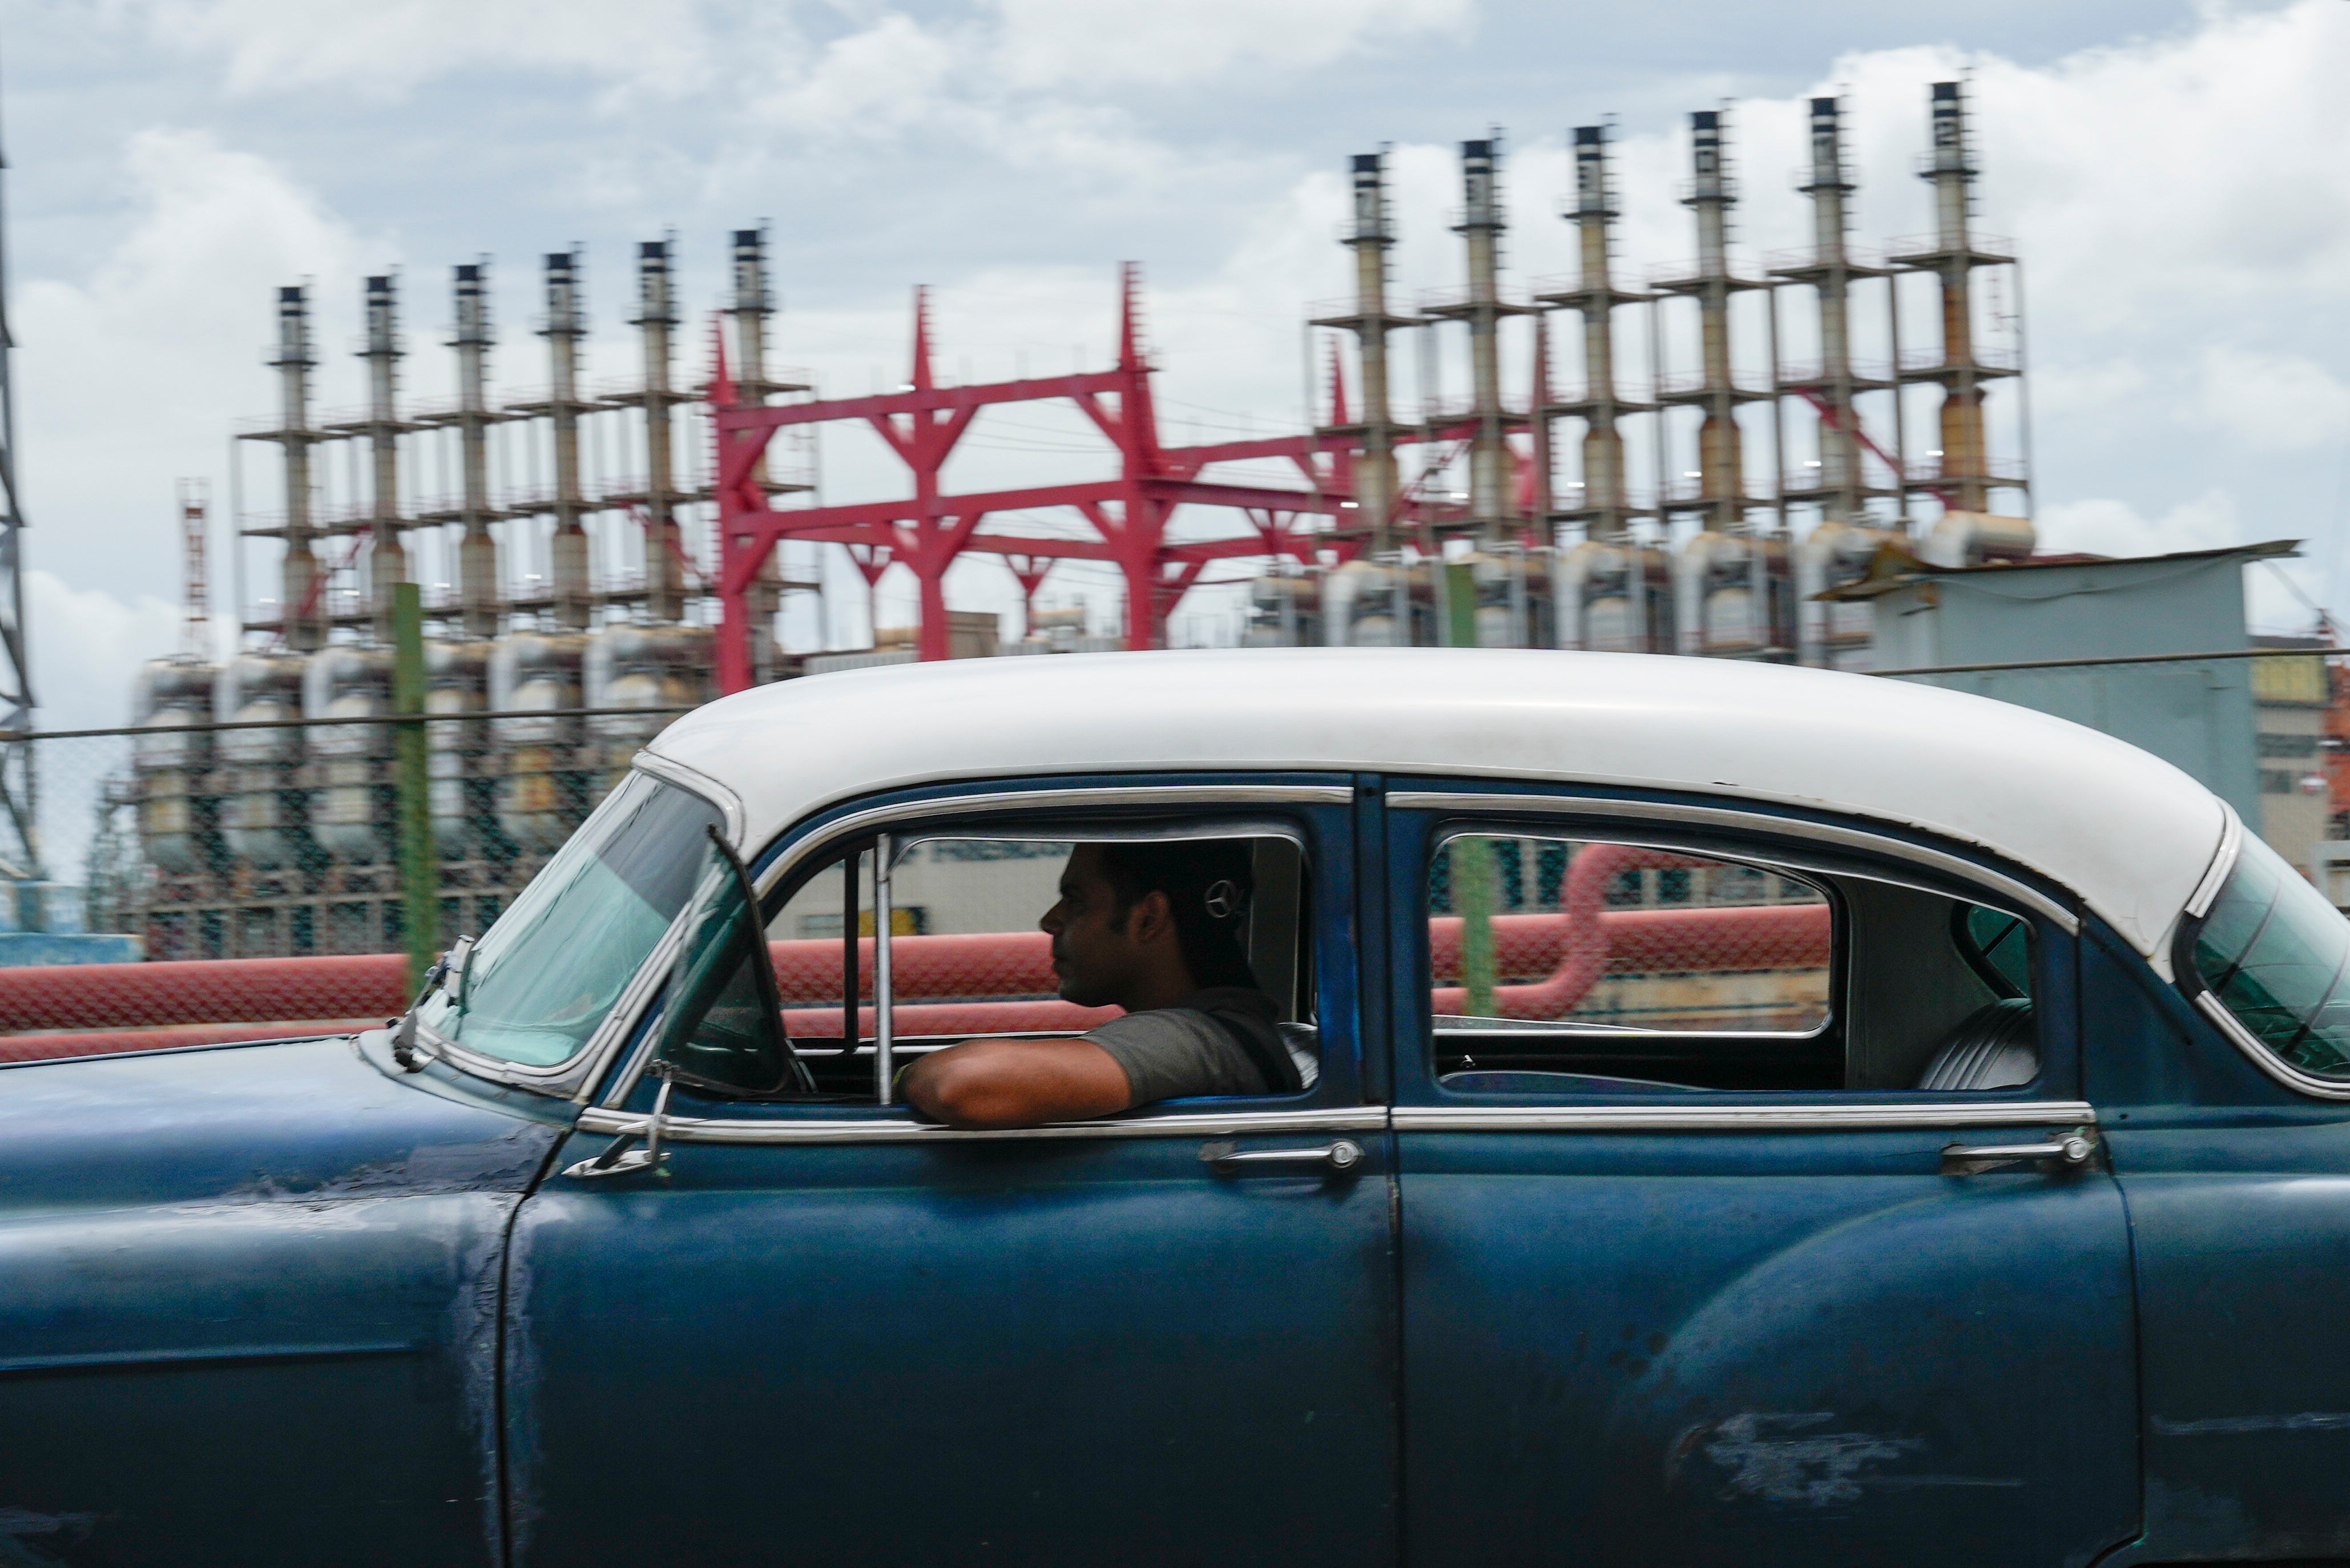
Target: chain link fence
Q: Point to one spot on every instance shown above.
(264, 874)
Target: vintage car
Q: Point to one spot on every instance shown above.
(1755, 1116)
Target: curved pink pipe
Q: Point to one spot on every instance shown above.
(1589, 939)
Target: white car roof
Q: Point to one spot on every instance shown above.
(2128, 833)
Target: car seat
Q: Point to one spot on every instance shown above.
(1996, 1046)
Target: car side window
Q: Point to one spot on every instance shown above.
(968, 957)
(1632, 968)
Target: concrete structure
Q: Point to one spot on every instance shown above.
(2106, 643)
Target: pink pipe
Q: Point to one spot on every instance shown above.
(1587, 934)
(196, 990)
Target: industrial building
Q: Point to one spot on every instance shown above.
(615, 547)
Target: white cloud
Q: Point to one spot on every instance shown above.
(881, 78)
(2109, 527)
(87, 644)
(1046, 43)
(2274, 402)
(129, 373)
(388, 46)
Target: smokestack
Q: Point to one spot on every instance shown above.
(1721, 455)
(387, 557)
(1951, 171)
(1369, 237)
(1603, 443)
(1828, 186)
(753, 304)
(301, 591)
(1480, 226)
(567, 550)
(655, 317)
(477, 551)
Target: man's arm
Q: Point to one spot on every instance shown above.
(1018, 1083)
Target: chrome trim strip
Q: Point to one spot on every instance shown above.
(1738, 1119)
(694, 781)
(1751, 821)
(2223, 860)
(2266, 1059)
(1078, 799)
(1185, 1124)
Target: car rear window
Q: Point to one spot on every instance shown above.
(2275, 953)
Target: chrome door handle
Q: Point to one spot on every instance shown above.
(2072, 1151)
(1224, 1155)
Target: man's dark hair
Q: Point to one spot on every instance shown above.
(1208, 884)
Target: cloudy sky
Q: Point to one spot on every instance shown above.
(2169, 171)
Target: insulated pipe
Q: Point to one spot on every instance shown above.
(1480, 226)
(568, 551)
(301, 592)
(228, 991)
(387, 556)
(478, 588)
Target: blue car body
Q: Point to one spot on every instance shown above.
(345, 1301)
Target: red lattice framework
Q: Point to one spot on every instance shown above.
(926, 531)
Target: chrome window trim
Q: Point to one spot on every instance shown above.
(1815, 1118)
(886, 1130)
(694, 781)
(1745, 821)
(2223, 861)
(1077, 799)
(855, 823)
(1812, 1118)
(2266, 1059)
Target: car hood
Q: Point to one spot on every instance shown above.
(301, 1120)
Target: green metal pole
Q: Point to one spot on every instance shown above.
(1472, 895)
(1460, 604)
(419, 891)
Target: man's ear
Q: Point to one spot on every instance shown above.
(1153, 918)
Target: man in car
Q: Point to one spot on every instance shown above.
(1153, 927)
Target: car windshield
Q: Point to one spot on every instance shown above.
(2275, 953)
(545, 975)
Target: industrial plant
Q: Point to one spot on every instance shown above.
(1672, 477)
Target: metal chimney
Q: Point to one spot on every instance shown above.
(1951, 169)
(567, 550)
(1594, 217)
(656, 317)
(752, 304)
(1828, 185)
(301, 590)
(387, 556)
(478, 586)
(1370, 236)
(1480, 226)
(1721, 473)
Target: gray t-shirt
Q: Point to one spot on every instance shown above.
(1170, 1052)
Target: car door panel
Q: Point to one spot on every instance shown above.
(841, 1337)
(956, 1353)
(2239, 1195)
(1645, 1325)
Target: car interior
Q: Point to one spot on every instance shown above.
(1691, 972)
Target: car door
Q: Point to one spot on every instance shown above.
(816, 1330)
(1688, 1274)
(2229, 1120)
